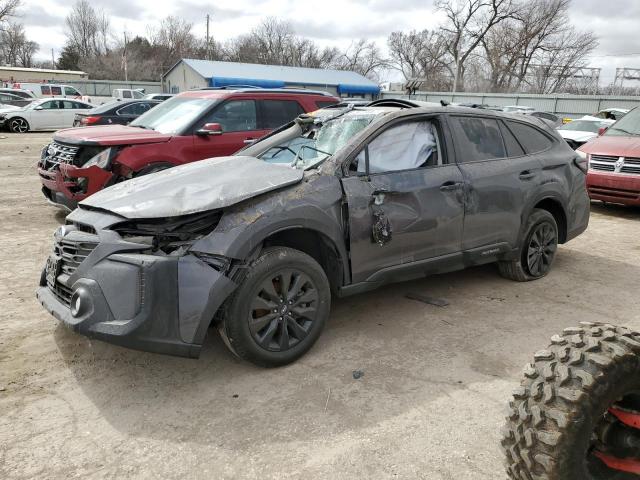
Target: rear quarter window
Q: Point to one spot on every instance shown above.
(56, 91)
(532, 139)
(45, 90)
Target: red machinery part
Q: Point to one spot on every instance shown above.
(628, 465)
(631, 419)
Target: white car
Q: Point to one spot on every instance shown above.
(578, 132)
(610, 114)
(45, 114)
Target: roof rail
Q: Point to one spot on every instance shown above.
(399, 103)
(244, 88)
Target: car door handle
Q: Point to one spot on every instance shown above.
(384, 191)
(526, 175)
(249, 141)
(450, 185)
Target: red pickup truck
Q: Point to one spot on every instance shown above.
(191, 126)
(614, 162)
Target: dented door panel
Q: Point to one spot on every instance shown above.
(422, 219)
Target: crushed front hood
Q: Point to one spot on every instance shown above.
(194, 187)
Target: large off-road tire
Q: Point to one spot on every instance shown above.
(18, 125)
(564, 398)
(279, 310)
(537, 250)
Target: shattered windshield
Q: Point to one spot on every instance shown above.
(329, 132)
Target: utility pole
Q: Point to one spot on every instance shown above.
(124, 58)
(53, 60)
(208, 51)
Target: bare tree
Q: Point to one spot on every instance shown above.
(87, 30)
(539, 35)
(8, 10)
(421, 56)
(363, 57)
(15, 48)
(467, 23)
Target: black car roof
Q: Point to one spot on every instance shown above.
(115, 105)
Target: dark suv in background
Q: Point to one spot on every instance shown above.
(343, 201)
(191, 126)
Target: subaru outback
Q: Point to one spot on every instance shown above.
(341, 202)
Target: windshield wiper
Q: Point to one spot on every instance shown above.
(298, 157)
(141, 126)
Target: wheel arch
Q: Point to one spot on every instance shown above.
(317, 245)
(555, 208)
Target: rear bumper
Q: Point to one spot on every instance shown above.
(67, 184)
(614, 187)
(156, 304)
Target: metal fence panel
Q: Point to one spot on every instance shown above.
(566, 105)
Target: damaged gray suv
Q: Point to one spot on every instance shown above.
(341, 202)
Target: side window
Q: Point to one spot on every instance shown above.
(71, 91)
(477, 139)
(406, 146)
(134, 109)
(45, 90)
(51, 105)
(324, 104)
(67, 105)
(235, 116)
(513, 147)
(56, 91)
(126, 94)
(279, 112)
(532, 139)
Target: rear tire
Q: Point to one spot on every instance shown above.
(537, 250)
(18, 125)
(279, 310)
(563, 399)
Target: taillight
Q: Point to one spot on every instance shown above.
(90, 120)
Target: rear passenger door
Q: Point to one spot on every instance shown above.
(500, 179)
(275, 113)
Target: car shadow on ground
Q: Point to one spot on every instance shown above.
(411, 353)
(614, 210)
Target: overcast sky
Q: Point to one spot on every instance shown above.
(329, 22)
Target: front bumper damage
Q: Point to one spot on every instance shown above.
(117, 294)
(67, 185)
(614, 187)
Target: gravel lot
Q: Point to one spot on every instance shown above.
(429, 406)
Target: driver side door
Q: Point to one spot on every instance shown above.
(239, 121)
(402, 184)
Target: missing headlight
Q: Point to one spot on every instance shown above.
(171, 236)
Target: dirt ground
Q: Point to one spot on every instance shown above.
(429, 406)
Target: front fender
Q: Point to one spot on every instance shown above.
(313, 205)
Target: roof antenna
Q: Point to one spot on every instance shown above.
(444, 103)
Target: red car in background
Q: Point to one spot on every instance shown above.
(614, 162)
(191, 126)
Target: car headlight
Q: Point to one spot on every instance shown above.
(102, 160)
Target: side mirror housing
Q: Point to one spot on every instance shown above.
(39, 107)
(210, 129)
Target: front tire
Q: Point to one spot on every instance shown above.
(537, 251)
(559, 416)
(279, 310)
(18, 125)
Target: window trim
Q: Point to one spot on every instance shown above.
(442, 153)
(117, 112)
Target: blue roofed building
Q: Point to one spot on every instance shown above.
(188, 74)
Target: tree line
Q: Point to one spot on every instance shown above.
(481, 45)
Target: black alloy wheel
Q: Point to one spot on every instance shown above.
(283, 310)
(279, 308)
(543, 244)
